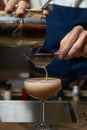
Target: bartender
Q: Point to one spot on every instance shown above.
(66, 35)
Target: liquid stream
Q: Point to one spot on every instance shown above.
(41, 65)
(42, 87)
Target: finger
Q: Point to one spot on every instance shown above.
(68, 41)
(45, 12)
(82, 51)
(79, 53)
(10, 6)
(39, 9)
(78, 44)
(36, 9)
(62, 43)
(22, 5)
(2, 5)
(85, 51)
(62, 52)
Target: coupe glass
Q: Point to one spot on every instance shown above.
(42, 88)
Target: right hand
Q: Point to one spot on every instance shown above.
(20, 6)
(74, 44)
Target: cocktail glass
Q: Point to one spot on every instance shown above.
(42, 88)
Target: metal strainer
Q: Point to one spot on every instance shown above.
(41, 60)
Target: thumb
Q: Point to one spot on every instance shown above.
(45, 12)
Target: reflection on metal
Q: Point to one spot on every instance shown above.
(29, 30)
(29, 111)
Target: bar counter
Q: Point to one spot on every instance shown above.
(63, 114)
(30, 126)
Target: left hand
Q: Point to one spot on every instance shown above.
(74, 44)
(20, 6)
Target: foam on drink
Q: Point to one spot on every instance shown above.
(41, 88)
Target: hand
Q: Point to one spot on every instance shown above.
(2, 5)
(20, 6)
(74, 44)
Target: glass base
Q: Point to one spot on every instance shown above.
(45, 126)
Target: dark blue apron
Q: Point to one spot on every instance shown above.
(59, 23)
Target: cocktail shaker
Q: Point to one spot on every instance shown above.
(30, 30)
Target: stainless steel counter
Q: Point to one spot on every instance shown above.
(55, 111)
(29, 111)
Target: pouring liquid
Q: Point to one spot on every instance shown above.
(42, 87)
(41, 65)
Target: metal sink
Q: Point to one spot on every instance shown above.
(29, 111)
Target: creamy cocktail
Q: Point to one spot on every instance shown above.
(41, 88)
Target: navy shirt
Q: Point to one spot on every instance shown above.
(59, 22)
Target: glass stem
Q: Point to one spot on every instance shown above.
(42, 112)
